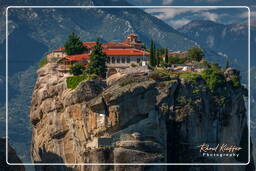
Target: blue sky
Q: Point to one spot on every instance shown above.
(178, 17)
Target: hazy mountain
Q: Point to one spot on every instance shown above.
(231, 39)
(34, 32)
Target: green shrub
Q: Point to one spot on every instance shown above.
(235, 81)
(133, 65)
(77, 69)
(190, 76)
(182, 100)
(177, 60)
(43, 62)
(196, 54)
(73, 81)
(214, 78)
(196, 91)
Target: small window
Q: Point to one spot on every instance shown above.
(128, 60)
(118, 60)
(123, 60)
(108, 60)
(113, 60)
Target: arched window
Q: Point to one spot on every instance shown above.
(118, 60)
(108, 60)
(138, 60)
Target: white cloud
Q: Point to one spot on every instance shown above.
(168, 13)
(167, 2)
(210, 16)
(178, 23)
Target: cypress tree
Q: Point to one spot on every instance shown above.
(97, 63)
(151, 57)
(166, 56)
(155, 55)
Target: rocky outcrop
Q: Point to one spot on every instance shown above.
(12, 158)
(140, 118)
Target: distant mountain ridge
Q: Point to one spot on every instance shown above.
(231, 39)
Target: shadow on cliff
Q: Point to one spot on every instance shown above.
(49, 157)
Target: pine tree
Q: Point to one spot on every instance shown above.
(97, 64)
(74, 45)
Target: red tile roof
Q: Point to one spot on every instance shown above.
(110, 52)
(89, 45)
(59, 50)
(115, 45)
(78, 57)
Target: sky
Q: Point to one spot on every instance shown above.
(177, 17)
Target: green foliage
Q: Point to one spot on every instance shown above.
(214, 78)
(235, 81)
(166, 57)
(97, 63)
(77, 69)
(182, 100)
(191, 77)
(196, 54)
(73, 81)
(74, 45)
(163, 64)
(43, 62)
(177, 60)
(133, 65)
(152, 56)
(196, 91)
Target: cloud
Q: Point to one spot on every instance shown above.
(167, 2)
(168, 13)
(210, 16)
(178, 23)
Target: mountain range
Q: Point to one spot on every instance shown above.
(34, 32)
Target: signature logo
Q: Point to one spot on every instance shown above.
(220, 150)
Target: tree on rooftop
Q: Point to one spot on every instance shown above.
(74, 45)
(196, 53)
(97, 64)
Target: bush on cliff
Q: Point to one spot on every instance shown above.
(214, 78)
(235, 81)
(43, 62)
(196, 54)
(77, 69)
(73, 81)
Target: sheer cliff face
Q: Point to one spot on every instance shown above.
(12, 158)
(140, 118)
